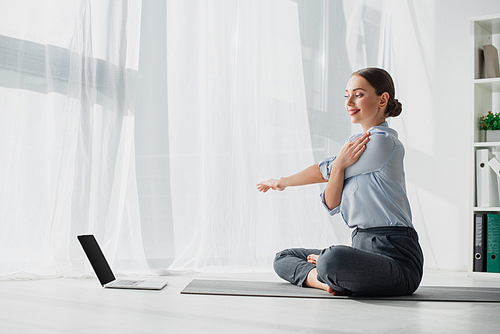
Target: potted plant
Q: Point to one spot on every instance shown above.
(491, 124)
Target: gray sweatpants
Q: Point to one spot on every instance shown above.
(382, 261)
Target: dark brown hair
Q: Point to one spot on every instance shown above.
(382, 82)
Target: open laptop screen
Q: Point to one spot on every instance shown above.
(96, 258)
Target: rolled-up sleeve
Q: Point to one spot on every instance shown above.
(325, 166)
(333, 211)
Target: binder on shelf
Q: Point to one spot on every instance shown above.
(491, 61)
(479, 263)
(493, 243)
(486, 180)
(495, 165)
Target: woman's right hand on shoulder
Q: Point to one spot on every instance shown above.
(270, 184)
(351, 151)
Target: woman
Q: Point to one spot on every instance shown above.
(366, 184)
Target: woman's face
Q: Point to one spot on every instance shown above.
(363, 104)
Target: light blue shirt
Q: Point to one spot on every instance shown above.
(374, 192)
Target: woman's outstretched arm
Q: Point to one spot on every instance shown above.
(310, 175)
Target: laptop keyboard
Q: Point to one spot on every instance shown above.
(128, 282)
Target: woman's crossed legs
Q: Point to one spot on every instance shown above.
(341, 270)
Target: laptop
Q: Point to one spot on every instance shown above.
(104, 272)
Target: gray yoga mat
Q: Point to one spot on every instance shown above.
(287, 290)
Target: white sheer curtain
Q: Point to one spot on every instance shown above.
(67, 96)
(238, 115)
(368, 33)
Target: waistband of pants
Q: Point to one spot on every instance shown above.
(387, 230)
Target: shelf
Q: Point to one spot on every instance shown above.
(490, 84)
(489, 23)
(485, 97)
(487, 209)
(483, 274)
(487, 144)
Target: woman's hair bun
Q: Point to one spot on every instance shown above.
(394, 108)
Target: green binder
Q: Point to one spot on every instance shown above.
(493, 243)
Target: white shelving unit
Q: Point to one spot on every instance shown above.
(486, 97)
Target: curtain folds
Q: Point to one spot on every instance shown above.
(230, 110)
(67, 137)
(237, 115)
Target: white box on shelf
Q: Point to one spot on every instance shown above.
(491, 61)
(486, 180)
(495, 165)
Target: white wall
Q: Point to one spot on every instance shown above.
(432, 62)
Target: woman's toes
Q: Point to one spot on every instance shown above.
(339, 293)
(312, 258)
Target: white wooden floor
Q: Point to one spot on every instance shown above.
(83, 306)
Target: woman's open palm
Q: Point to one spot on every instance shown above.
(273, 184)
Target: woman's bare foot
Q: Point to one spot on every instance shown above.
(312, 281)
(312, 258)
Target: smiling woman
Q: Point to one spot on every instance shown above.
(366, 184)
